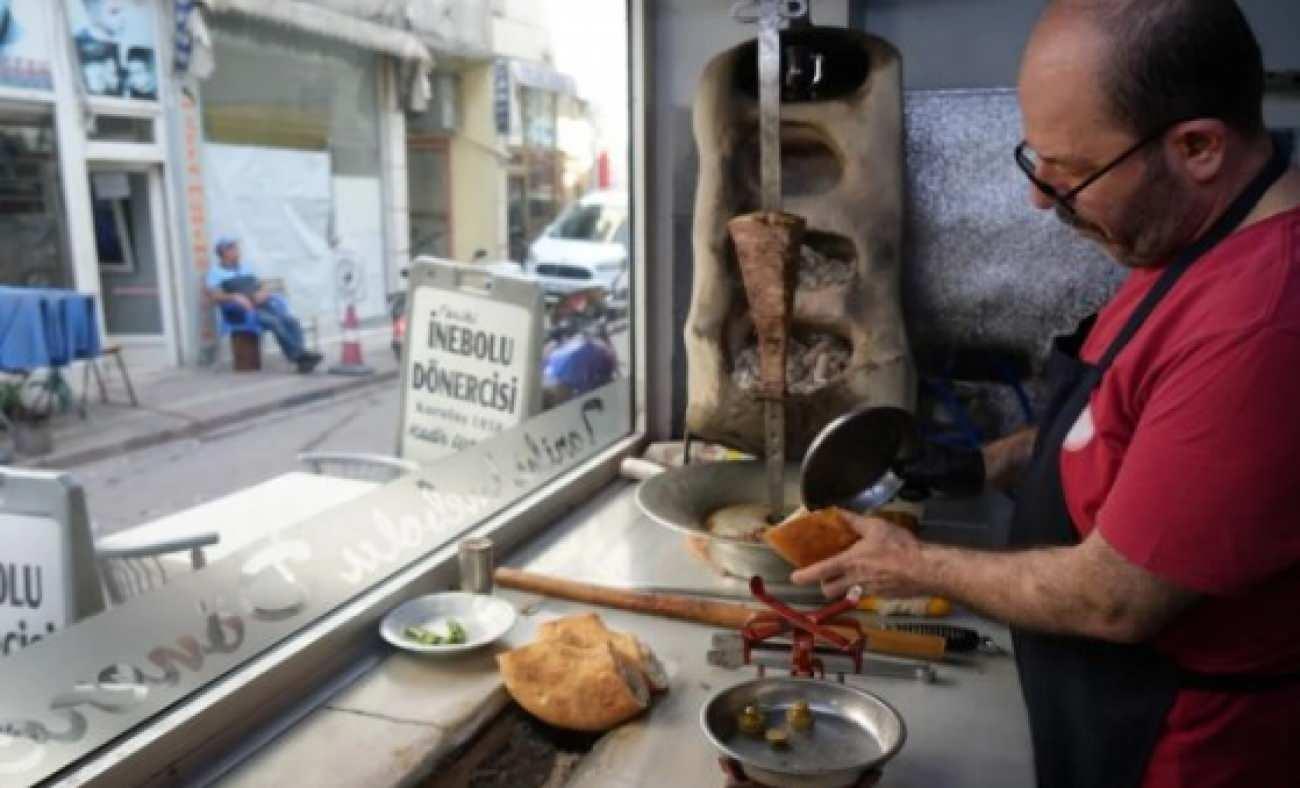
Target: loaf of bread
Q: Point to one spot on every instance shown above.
(805, 539)
(587, 630)
(581, 689)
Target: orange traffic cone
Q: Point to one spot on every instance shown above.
(351, 363)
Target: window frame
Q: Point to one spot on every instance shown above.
(207, 731)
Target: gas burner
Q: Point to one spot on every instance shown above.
(805, 630)
(736, 777)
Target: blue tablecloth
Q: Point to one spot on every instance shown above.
(43, 327)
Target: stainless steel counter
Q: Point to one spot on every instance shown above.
(967, 729)
(396, 722)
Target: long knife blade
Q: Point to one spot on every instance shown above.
(795, 594)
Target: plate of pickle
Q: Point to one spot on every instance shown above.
(448, 623)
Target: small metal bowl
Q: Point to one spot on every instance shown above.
(683, 498)
(853, 732)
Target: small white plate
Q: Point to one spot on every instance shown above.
(484, 617)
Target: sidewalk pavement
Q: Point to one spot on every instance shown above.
(185, 402)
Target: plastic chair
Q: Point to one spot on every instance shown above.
(232, 320)
(101, 571)
(129, 568)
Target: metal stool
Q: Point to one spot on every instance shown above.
(91, 366)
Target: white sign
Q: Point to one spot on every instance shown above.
(32, 601)
(471, 370)
(24, 45)
(359, 227)
(116, 49)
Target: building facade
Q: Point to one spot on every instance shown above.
(334, 133)
(84, 164)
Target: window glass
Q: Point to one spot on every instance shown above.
(329, 334)
(591, 222)
(32, 220)
(110, 128)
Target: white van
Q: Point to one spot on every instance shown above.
(586, 246)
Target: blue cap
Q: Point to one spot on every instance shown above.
(225, 241)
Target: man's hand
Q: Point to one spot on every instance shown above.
(955, 471)
(242, 301)
(879, 562)
(1006, 459)
(1087, 589)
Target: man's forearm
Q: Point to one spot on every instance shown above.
(1089, 588)
(1085, 589)
(1025, 588)
(1006, 459)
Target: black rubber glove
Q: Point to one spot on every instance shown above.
(955, 472)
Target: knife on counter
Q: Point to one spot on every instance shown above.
(928, 606)
(730, 615)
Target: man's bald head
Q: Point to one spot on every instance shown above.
(1159, 62)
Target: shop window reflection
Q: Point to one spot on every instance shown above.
(35, 251)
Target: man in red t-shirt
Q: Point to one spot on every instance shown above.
(1175, 474)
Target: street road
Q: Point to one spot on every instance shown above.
(140, 486)
(135, 488)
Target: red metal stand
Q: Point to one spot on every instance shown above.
(806, 631)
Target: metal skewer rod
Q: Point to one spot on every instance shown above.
(769, 140)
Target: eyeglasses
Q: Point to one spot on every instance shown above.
(1028, 160)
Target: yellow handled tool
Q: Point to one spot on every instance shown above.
(932, 606)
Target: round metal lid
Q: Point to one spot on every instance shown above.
(850, 462)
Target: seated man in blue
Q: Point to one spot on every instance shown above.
(235, 288)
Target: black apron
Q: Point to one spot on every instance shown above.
(1096, 708)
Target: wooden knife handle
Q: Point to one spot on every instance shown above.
(731, 615)
(885, 641)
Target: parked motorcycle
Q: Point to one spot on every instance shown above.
(578, 355)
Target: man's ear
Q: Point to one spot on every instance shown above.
(1199, 147)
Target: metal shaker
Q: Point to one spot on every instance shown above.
(477, 559)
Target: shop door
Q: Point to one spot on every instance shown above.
(428, 168)
(126, 205)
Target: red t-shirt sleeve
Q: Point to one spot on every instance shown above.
(1208, 493)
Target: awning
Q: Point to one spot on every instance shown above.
(401, 44)
(542, 77)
